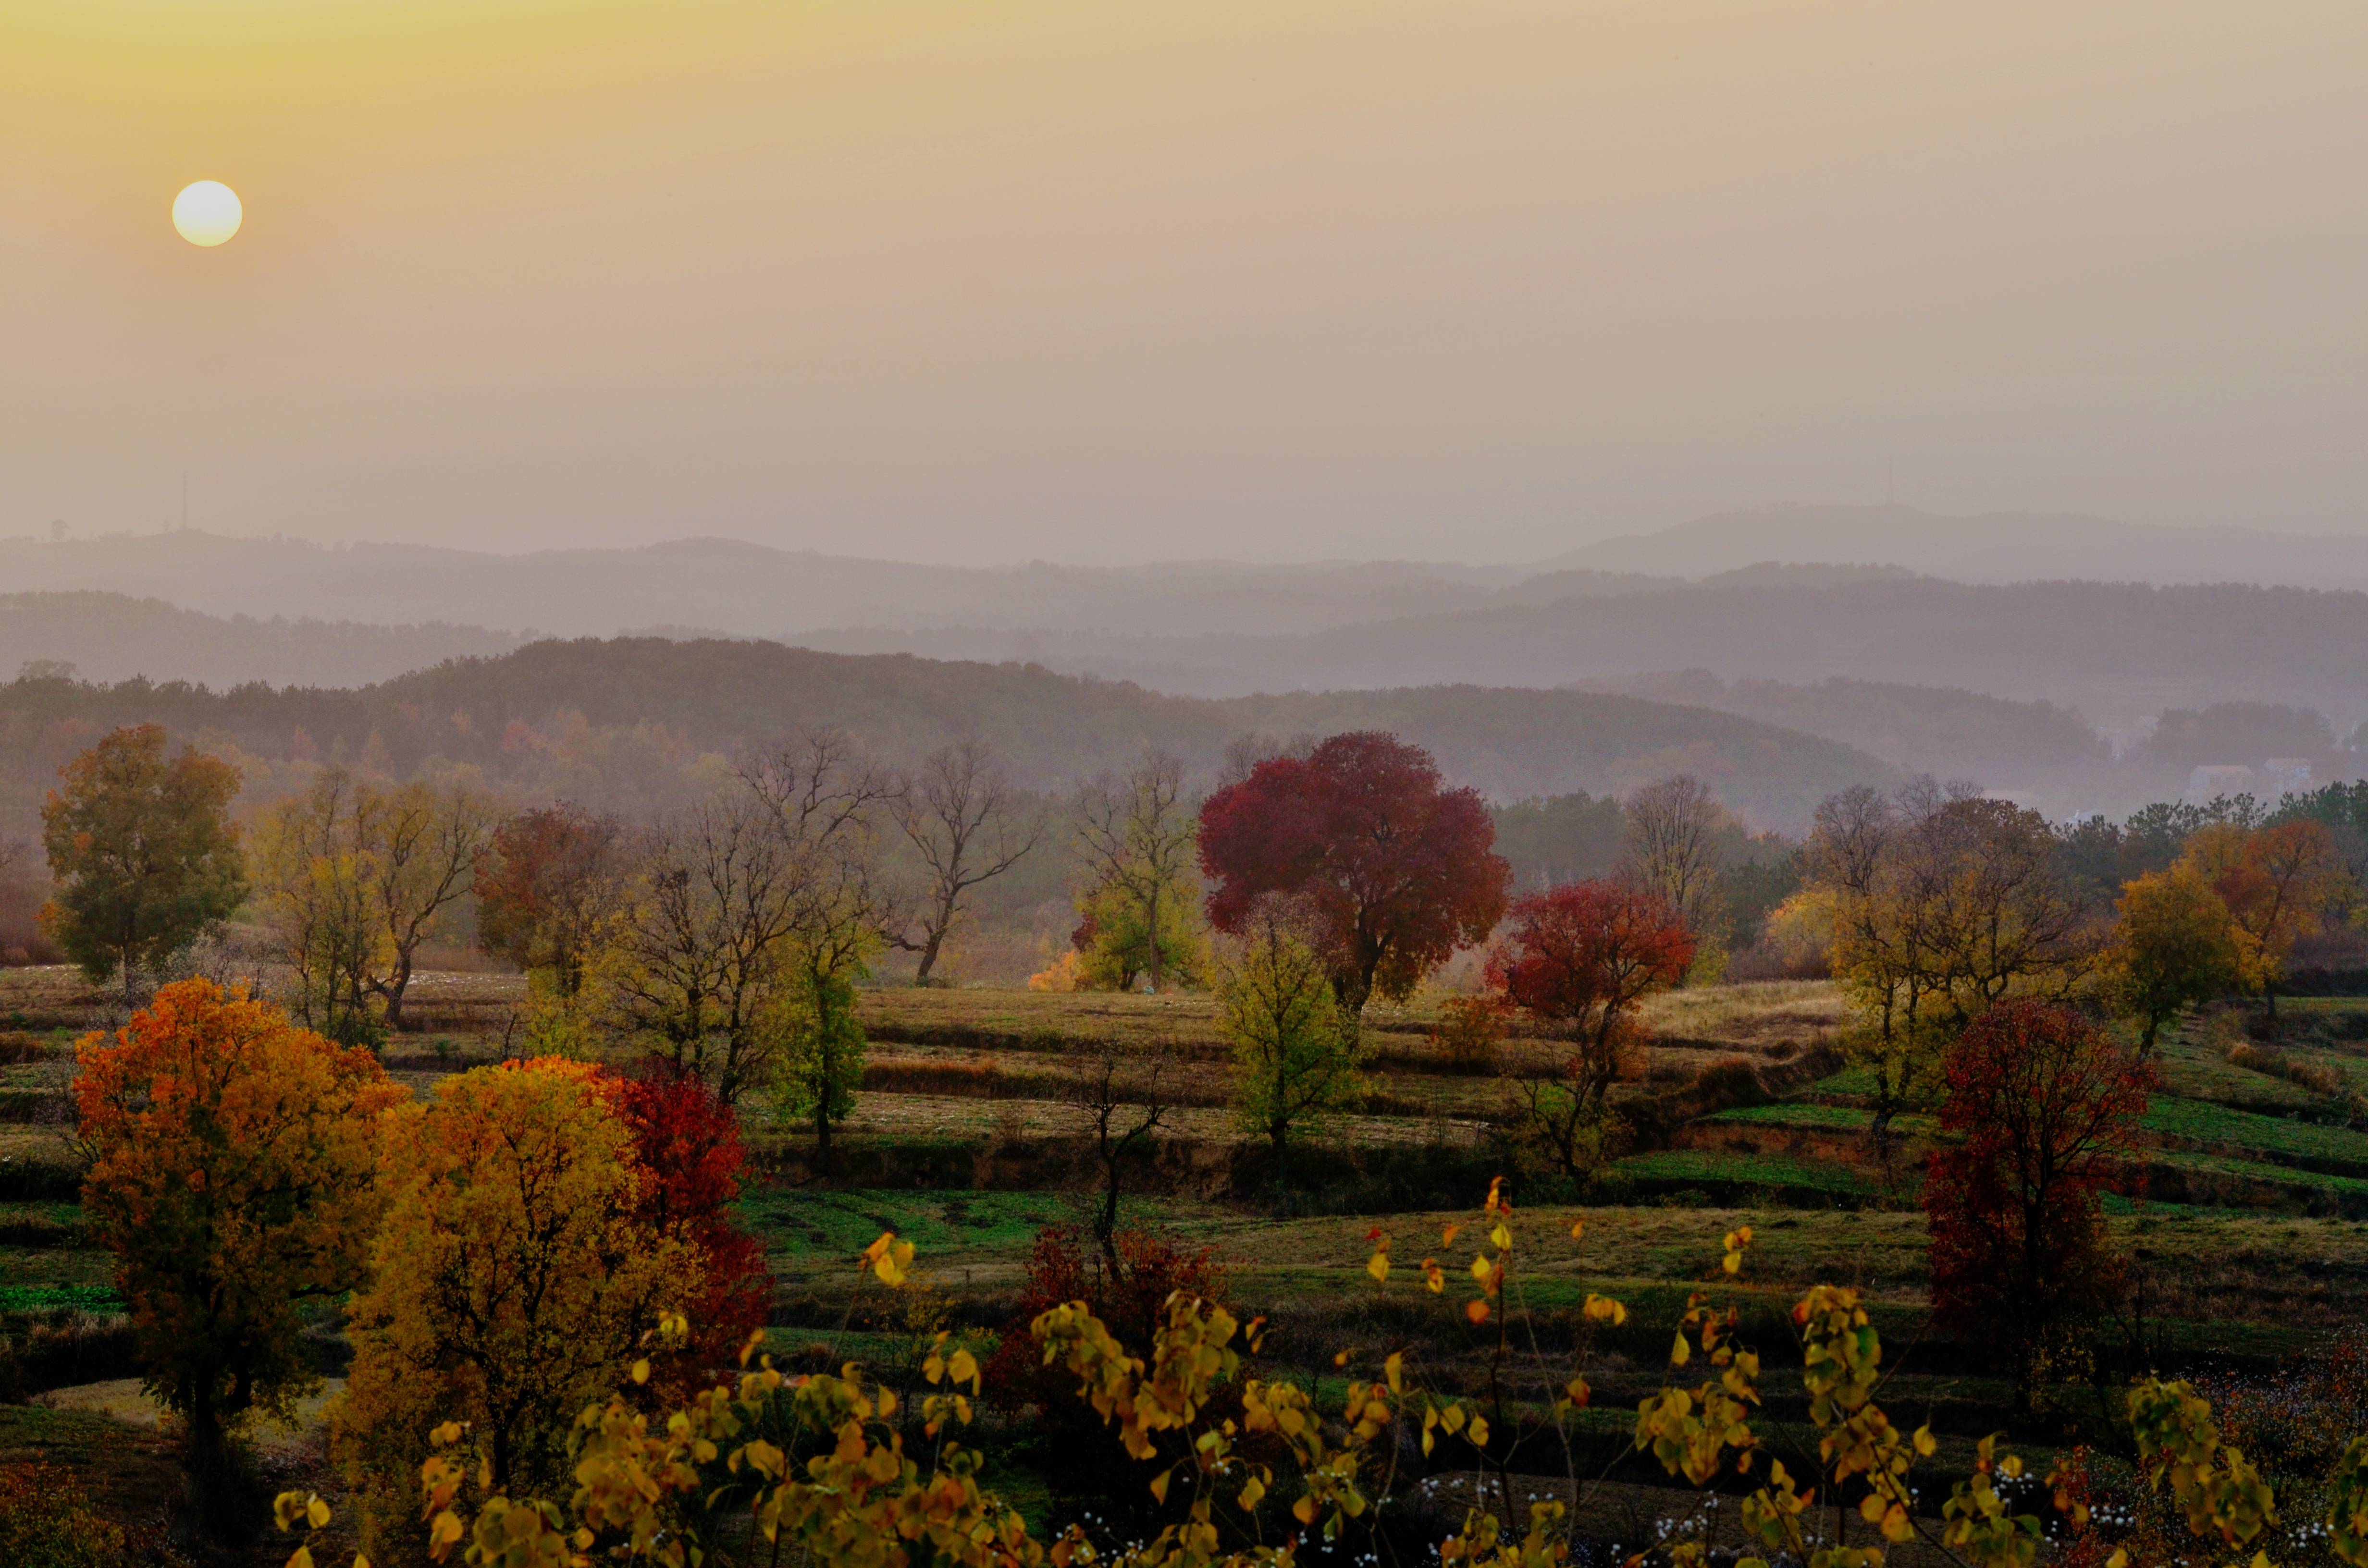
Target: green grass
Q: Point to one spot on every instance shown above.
(2336, 1150)
(1684, 1168)
(96, 1299)
(2193, 1069)
(810, 1226)
(2263, 1172)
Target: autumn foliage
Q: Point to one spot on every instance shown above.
(234, 1157)
(1398, 869)
(687, 1142)
(143, 851)
(2046, 1106)
(543, 884)
(512, 1279)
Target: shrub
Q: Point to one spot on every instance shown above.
(1066, 1266)
(1470, 1030)
(820, 1462)
(46, 1521)
(1729, 1081)
(17, 1047)
(2317, 1077)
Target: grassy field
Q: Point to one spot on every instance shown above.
(965, 1107)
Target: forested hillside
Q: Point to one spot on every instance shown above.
(112, 637)
(625, 723)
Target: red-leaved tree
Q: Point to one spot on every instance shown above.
(543, 882)
(689, 1142)
(2047, 1107)
(1398, 869)
(1578, 960)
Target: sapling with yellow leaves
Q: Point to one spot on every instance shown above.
(818, 1465)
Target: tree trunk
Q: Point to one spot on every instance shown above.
(1106, 1226)
(936, 936)
(1151, 924)
(393, 989)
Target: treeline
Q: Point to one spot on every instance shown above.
(631, 726)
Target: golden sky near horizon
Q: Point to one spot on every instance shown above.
(1118, 282)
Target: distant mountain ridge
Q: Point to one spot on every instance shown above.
(1993, 547)
(730, 587)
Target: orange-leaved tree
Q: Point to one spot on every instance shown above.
(2276, 881)
(513, 1275)
(233, 1163)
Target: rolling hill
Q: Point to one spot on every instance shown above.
(627, 723)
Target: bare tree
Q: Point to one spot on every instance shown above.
(823, 800)
(1137, 833)
(1672, 847)
(715, 901)
(965, 820)
(426, 845)
(1123, 1097)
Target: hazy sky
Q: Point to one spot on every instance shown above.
(1117, 281)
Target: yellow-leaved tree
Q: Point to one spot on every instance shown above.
(234, 1158)
(512, 1279)
(830, 1469)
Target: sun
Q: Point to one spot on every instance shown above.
(208, 212)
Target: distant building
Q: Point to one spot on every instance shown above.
(2288, 774)
(2216, 778)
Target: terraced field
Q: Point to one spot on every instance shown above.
(966, 1139)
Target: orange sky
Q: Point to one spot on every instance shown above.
(1117, 282)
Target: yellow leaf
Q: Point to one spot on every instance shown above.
(1159, 1486)
(1394, 1370)
(1578, 1391)
(1500, 1238)
(1732, 1263)
(301, 1558)
(1480, 1269)
(1304, 1510)
(642, 1370)
(361, 1561)
(1476, 1430)
(1578, 1229)
(1681, 1352)
(1251, 1492)
(317, 1512)
(1447, 1236)
(1477, 1311)
(1378, 1266)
